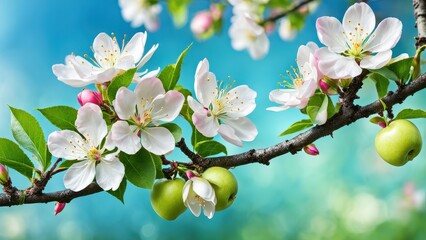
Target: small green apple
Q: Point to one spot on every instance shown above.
(224, 184)
(399, 142)
(166, 198)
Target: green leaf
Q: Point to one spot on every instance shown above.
(411, 113)
(402, 69)
(119, 193)
(179, 11)
(158, 168)
(27, 132)
(174, 129)
(186, 111)
(12, 156)
(297, 126)
(140, 168)
(197, 137)
(122, 80)
(381, 83)
(62, 117)
(315, 104)
(209, 148)
(385, 72)
(377, 120)
(171, 73)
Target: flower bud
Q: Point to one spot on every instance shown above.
(201, 23)
(382, 124)
(311, 149)
(4, 175)
(89, 96)
(190, 174)
(327, 86)
(58, 207)
(216, 11)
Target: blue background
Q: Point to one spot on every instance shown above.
(347, 192)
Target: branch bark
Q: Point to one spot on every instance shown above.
(283, 14)
(420, 15)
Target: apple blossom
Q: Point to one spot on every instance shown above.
(305, 81)
(109, 61)
(4, 175)
(141, 12)
(285, 30)
(222, 111)
(89, 96)
(245, 33)
(311, 149)
(201, 23)
(353, 45)
(140, 113)
(86, 148)
(198, 193)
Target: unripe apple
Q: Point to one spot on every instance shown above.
(399, 142)
(224, 184)
(166, 198)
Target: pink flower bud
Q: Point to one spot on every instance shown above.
(58, 207)
(327, 86)
(381, 124)
(190, 174)
(269, 27)
(89, 96)
(4, 175)
(202, 22)
(311, 150)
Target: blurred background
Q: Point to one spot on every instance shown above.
(346, 192)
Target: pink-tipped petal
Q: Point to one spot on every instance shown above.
(125, 103)
(80, 175)
(205, 124)
(158, 140)
(376, 61)
(385, 37)
(359, 20)
(228, 133)
(336, 66)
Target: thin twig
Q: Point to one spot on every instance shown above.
(285, 13)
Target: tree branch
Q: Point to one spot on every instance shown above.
(283, 14)
(420, 15)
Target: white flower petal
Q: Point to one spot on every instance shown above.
(135, 47)
(124, 137)
(147, 56)
(125, 103)
(244, 129)
(331, 33)
(206, 125)
(148, 89)
(69, 76)
(107, 75)
(103, 47)
(203, 188)
(91, 124)
(240, 101)
(80, 175)
(205, 84)
(278, 109)
(209, 209)
(194, 105)
(67, 144)
(376, 61)
(151, 74)
(109, 174)
(359, 21)
(321, 117)
(168, 107)
(195, 208)
(158, 140)
(228, 133)
(260, 47)
(336, 66)
(185, 192)
(125, 63)
(385, 37)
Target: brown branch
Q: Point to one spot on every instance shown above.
(420, 15)
(285, 13)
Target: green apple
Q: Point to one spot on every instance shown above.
(399, 142)
(166, 198)
(224, 184)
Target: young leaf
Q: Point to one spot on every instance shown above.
(377, 120)
(140, 168)
(297, 126)
(119, 193)
(62, 117)
(171, 73)
(386, 73)
(314, 106)
(179, 11)
(197, 137)
(381, 83)
(122, 80)
(186, 111)
(12, 156)
(174, 129)
(158, 168)
(27, 132)
(209, 148)
(402, 69)
(411, 113)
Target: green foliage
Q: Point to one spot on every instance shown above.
(27, 132)
(140, 168)
(381, 83)
(297, 126)
(284, 4)
(297, 20)
(171, 73)
(316, 102)
(12, 156)
(119, 193)
(209, 148)
(62, 117)
(179, 11)
(377, 120)
(174, 129)
(122, 80)
(398, 71)
(411, 113)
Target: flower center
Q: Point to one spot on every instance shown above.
(355, 40)
(296, 78)
(224, 101)
(94, 154)
(200, 200)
